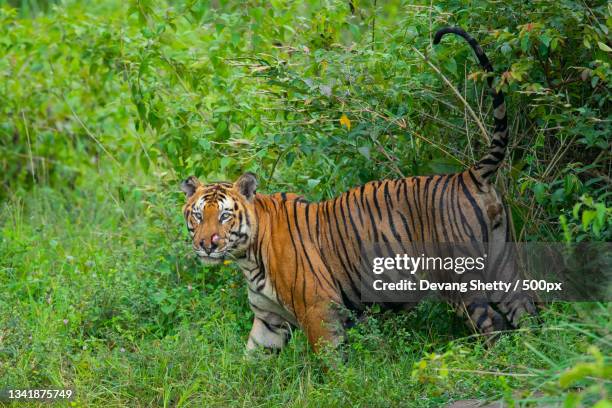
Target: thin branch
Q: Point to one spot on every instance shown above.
(88, 132)
(27, 132)
(461, 98)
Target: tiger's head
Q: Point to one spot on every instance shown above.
(220, 217)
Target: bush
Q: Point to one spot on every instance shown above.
(314, 98)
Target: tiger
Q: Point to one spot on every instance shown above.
(300, 259)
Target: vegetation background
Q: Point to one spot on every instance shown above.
(106, 105)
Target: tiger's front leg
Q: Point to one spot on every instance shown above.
(269, 331)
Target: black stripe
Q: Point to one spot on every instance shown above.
(306, 255)
(442, 207)
(268, 325)
(416, 189)
(351, 267)
(411, 213)
(474, 180)
(482, 319)
(295, 253)
(376, 204)
(478, 211)
(453, 208)
(387, 198)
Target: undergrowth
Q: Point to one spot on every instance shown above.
(103, 295)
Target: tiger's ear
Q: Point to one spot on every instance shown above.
(247, 185)
(190, 185)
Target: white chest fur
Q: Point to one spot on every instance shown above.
(263, 299)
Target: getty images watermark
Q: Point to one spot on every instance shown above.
(458, 265)
(547, 271)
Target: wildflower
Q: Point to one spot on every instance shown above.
(345, 121)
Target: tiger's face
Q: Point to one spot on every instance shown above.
(220, 217)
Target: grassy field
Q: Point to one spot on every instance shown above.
(106, 105)
(101, 294)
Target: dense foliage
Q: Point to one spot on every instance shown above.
(105, 106)
(218, 90)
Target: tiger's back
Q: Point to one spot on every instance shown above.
(313, 253)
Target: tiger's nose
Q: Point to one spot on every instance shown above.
(214, 243)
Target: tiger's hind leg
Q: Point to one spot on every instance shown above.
(324, 324)
(516, 307)
(481, 316)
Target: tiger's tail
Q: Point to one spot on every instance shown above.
(488, 165)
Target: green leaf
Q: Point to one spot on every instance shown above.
(587, 218)
(558, 195)
(566, 231)
(159, 297)
(224, 162)
(312, 183)
(144, 162)
(600, 208)
(554, 43)
(603, 47)
(571, 184)
(572, 400)
(577, 373)
(451, 65)
(604, 403)
(539, 191)
(576, 210)
(525, 43)
(365, 151)
(204, 144)
(586, 43)
(222, 130)
(167, 309)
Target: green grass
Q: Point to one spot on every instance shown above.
(99, 292)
